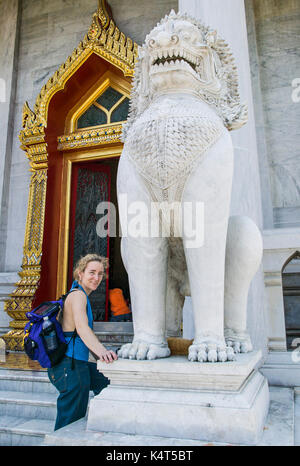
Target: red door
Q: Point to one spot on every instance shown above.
(91, 184)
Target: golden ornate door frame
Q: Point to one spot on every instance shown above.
(63, 248)
(108, 42)
(78, 147)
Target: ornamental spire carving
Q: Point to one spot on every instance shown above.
(103, 38)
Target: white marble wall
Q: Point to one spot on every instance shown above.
(265, 181)
(136, 19)
(9, 14)
(278, 42)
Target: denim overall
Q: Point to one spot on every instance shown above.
(75, 376)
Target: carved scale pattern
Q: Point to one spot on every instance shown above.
(175, 138)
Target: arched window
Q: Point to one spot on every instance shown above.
(111, 106)
(291, 299)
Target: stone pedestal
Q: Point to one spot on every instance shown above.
(220, 402)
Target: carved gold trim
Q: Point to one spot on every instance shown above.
(96, 135)
(104, 39)
(22, 297)
(108, 42)
(91, 137)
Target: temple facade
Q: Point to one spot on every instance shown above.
(65, 81)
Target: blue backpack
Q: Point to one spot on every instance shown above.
(34, 336)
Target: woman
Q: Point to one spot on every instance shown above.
(75, 376)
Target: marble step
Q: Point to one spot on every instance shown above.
(29, 381)
(28, 411)
(28, 405)
(75, 434)
(18, 431)
(281, 422)
(279, 429)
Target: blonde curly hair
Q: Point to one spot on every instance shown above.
(83, 262)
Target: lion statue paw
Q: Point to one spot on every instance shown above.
(210, 351)
(142, 350)
(239, 342)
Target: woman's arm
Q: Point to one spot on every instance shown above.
(78, 305)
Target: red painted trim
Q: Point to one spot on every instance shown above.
(71, 264)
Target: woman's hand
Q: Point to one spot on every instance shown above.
(107, 356)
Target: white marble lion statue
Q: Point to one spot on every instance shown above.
(178, 151)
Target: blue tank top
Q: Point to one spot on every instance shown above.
(81, 351)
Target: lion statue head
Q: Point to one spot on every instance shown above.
(180, 52)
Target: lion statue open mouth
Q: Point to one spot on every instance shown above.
(178, 151)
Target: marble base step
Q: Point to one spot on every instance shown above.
(17, 431)
(76, 434)
(28, 405)
(171, 397)
(30, 381)
(278, 430)
(280, 426)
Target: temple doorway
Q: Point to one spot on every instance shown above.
(90, 153)
(94, 183)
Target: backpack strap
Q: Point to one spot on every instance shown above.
(62, 299)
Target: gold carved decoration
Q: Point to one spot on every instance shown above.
(104, 39)
(97, 135)
(91, 137)
(107, 41)
(21, 299)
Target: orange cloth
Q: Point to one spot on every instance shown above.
(118, 304)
